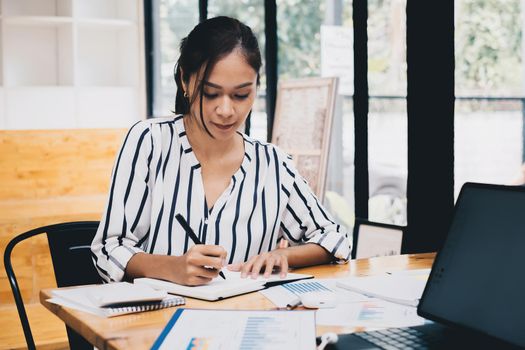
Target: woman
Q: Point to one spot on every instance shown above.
(238, 194)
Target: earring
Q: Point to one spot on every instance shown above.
(185, 94)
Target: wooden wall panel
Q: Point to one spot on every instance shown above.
(49, 335)
(42, 164)
(47, 177)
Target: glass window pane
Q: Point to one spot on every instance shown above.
(387, 118)
(488, 142)
(489, 84)
(341, 177)
(299, 50)
(387, 159)
(251, 13)
(299, 36)
(176, 18)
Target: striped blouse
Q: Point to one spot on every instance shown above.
(156, 176)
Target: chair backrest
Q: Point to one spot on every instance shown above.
(371, 239)
(304, 112)
(69, 244)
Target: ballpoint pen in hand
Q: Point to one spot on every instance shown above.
(192, 234)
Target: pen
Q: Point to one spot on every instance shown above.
(293, 304)
(192, 234)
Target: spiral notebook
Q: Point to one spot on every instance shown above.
(114, 299)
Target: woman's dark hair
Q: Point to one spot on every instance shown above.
(208, 43)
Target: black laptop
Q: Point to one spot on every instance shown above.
(475, 294)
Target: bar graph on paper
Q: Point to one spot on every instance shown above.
(371, 312)
(261, 331)
(198, 344)
(305, 287)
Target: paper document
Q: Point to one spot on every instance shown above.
(406, 290)
(285, 294)
(374, 313)
(236, 329)
(416, 273)
(220, 288)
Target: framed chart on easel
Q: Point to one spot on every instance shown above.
(303, 125)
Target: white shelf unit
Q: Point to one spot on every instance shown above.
(38, 54)
(2, 109)
(39, 8)
(40, 107)
(71, 63)
(101, 58)
(107, 9)
(1, 53)
(37, 20)
(108, 107)
(2, 100)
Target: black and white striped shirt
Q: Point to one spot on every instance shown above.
(156, 176)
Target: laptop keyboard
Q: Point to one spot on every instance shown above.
(399, 338)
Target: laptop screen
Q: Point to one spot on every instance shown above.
(478, 278)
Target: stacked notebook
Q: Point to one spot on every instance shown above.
(114, 299)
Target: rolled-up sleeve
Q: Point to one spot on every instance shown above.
(305, 220)
(125, 223)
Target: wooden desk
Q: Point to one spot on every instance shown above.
(139, 331)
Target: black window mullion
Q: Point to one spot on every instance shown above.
(270, 31)
(149, 55)
(360, 16)
(203, 10)
(430, 106)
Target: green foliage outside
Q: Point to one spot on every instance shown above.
(487, 40)
(488, 47)
(299, 38)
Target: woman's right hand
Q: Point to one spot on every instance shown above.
(199, 265)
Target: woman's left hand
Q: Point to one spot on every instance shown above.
(269, 260)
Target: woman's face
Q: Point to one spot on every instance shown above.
(229, 93)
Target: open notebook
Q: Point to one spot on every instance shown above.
(220, 288)
(114, 299)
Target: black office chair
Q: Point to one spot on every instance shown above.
(372, 239)
(69, 244)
